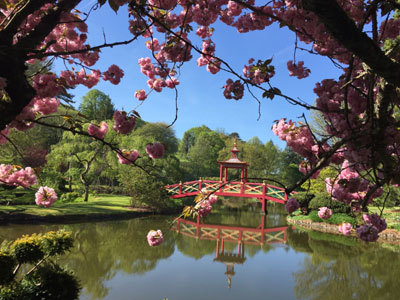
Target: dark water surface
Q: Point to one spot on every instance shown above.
(259, 258)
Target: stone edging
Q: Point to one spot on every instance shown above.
(387, 236)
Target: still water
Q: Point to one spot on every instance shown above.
(232, 255)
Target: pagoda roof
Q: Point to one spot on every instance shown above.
(233, 160)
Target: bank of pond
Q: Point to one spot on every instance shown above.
(232, 254)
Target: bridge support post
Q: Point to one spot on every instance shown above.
(264, 210)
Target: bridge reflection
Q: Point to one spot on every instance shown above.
(223, 234)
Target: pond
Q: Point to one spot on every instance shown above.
(234, 254)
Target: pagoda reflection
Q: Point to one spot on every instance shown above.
(222, 234)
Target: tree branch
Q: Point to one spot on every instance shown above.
(345, 31)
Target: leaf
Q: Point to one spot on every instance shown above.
(114, 6)
(268, 61)
(198, 198)
(269, 94)
(101, 2)
(136, 113)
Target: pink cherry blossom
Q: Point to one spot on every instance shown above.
(155, 150)
(204, 208)
(98, 132)
(298, 69)
(345, 228)
(123, 123)
(155, 237)
(367, 233)
(212, 199)
(292, 205)
(113, 74)
(376, 221)
(13, 175)
(324, 213)
(233, 89)
(45, 196)
(141, 95)
(128, 156)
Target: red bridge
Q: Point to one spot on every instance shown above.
(223, 187)
(261, 191)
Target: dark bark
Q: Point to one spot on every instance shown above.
(345, 31)
(13, 57)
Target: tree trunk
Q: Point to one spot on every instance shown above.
(86, 192)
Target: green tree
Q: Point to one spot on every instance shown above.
(97, 106)
(289, 172)
(272, 156)
(77, 158)
(203, 155)
(255, 155)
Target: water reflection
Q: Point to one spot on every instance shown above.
(235, 255)
(236, 235)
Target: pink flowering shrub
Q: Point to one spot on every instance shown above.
(292, 205)
(155, 237)
(155, 150)
(324, 213)
(123, 123)
(345, 228)
(98, 132)
(131, 156)
(45, 196)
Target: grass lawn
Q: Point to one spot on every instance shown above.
(98, 204)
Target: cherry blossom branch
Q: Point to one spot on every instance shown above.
(345, 31)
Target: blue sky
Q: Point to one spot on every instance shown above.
(201, 99)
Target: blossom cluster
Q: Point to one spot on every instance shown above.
(16, 176)
(45, 196)
(155, 237)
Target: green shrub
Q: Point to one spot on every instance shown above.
(69, 197)
(39, 279)
(336, 218)
(340, 218)
(304, 198)
(324, 200)
(16, 196)
(7, 265)
(27, 249)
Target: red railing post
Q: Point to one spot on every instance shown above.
(264, 188)
(200, 184)
(242, 186)
(180, 187)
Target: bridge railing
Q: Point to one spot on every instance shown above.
(241, 189)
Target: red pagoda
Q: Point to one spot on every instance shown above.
(233, 163)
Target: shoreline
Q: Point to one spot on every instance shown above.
(23, 218)
(390, 236)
